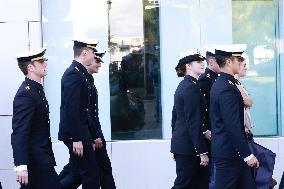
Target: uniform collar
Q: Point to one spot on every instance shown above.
(229, 77)
(91, 77)
(192, 79)
(80, 66)
(30, 81)
(238, 82)
(211, 73)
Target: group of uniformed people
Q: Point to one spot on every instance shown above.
(207, 124)
(79, 126)
(209, 142)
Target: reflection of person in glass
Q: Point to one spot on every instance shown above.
(263, 175)
(127, 108)
(155, 76)
(119, 100)
(187, 143)
(75, 130)
(32, 148)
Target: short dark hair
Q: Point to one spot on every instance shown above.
(181, 70)
(24, 66)
(77, 51)
(209, 57)
(221, 60)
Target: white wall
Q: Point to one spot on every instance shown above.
(141, 164)
(15, 36)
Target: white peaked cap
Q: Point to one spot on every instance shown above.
(189, 52)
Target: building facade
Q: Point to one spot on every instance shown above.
(143, 40)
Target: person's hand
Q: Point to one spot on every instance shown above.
(253, 162)
(204, 160)
(98, 143)
(94, 146)
(22, 177)
(247, 131)
(207, 135)
(173, 156)
(78, 148)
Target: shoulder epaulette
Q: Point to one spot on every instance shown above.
(77, 68)
(208, 75)
(230, 82)
(27, 87)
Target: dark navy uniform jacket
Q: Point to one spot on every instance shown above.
(94, 120)
(187, 136)
(30, 138)
(206, 81)
(227, 119)
(75, 123)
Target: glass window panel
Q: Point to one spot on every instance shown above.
(255, 24)
(134, 71)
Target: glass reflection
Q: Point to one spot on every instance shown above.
(135, 106)
(255, 23)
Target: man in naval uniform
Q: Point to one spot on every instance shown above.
(70, 176)
(32, 148)
(105, 169)
(206, 81)
(229, 147)
(75, 130)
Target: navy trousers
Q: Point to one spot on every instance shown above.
(190, 174)
(70, 177)
(42, 178)
(233, 174)
(212, 168)
(105, 169)
(87, 165)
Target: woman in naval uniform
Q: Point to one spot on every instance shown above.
(187, 143)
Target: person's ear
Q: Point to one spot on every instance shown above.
(211, 62)
(188, 66)
(30, 68)
(84, 52)
(228, 61)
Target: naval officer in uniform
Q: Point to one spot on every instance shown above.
(187, 143)
(206, 81)
(230, 150)
(75, 130)
(105, 169)
(70, 176)
(31, 142)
